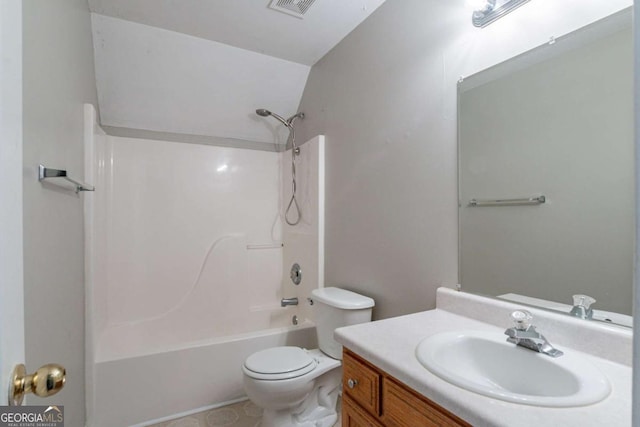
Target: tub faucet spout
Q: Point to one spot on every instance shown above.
(288, 301)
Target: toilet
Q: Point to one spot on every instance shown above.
(297, 387)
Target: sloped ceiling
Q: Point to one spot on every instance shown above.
(159, 80)
(249, 24)
(202, 67)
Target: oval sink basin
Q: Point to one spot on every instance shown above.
(486, 363)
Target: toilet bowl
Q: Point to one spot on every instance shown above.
(296, 387)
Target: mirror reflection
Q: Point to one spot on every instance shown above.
(546, 175)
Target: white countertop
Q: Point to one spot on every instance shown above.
(390, 345)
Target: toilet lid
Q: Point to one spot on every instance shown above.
(279, 360)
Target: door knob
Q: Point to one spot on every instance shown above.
(46, 381)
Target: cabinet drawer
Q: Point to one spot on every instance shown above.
(403, 408)
(353, 416)
(361, 383)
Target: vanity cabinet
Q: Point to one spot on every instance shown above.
(373, 398)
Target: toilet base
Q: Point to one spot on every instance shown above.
(317, 410)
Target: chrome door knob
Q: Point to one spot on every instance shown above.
(351, 383)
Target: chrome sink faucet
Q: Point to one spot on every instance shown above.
(525, 335)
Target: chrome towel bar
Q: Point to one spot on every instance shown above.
(276, 245)
(508, 202)
(46, 173)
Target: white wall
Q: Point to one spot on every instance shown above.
(58, 78)
(385, 98)
(636, 275)
(11, 264)
(159, 80)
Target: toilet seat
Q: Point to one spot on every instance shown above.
(279, 363)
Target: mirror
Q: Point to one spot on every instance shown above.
(546, 174)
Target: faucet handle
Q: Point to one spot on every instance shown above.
(585, 301)
(582, 306)
(521, 319)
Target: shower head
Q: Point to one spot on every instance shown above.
(287, 122)
(266, 113)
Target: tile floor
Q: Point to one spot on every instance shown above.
(241, 414)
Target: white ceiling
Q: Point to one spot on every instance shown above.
(249, 24)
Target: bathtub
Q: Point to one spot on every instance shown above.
(149, 382)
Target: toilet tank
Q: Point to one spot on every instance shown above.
(335, 308)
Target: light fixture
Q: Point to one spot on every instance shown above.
(489, 11)
(476, 4)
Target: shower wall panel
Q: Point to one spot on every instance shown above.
(175, 225)
(304, 242)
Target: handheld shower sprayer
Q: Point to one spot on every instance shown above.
(266, 113)
(287, 122)
(295, 151)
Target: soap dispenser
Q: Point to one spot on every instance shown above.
(582, 306)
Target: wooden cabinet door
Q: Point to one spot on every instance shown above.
(373, 398)
(401, 407)
(353, 416)
(361, 382)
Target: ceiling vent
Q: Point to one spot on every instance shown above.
(295, 8)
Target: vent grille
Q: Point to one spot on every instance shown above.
(295, 8)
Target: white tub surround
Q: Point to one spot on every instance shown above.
(184, 276)
(304, 243)
(391, 344)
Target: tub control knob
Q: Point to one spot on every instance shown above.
(352, 383)
(296, 274)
